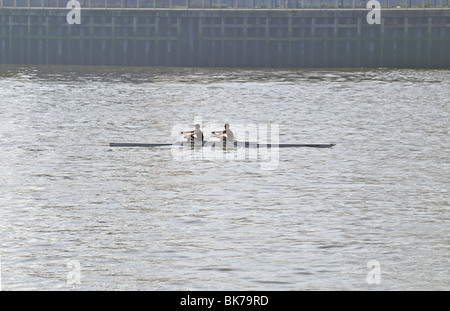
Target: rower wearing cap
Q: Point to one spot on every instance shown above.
(226, 135)
(196, 134)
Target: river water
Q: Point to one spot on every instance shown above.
(371, 213)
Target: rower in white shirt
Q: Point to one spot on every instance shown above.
(196, 135)
(226, 135)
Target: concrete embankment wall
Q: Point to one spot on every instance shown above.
(406, 38)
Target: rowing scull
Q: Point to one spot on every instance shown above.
(245, 144)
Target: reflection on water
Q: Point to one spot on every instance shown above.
(140, 219)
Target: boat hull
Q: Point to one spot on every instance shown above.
(220, 144)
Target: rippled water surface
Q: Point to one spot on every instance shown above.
(138, 218)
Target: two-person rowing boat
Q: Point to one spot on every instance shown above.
(196, 135)
(227, 138)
